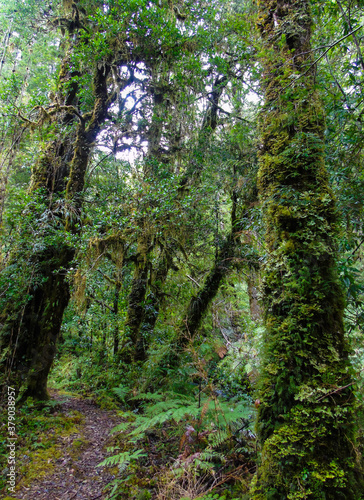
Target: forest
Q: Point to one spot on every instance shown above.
(181, 247)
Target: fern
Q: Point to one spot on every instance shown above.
(162, 396)
(204, 466)
(121, 391)
(205, 461)
(163, 406)
(122, 459)
(222, 415)
(213, 422)
(157, 415)
(148, 396)
(230, 414)
(211, 456)
(124, 426)
(216, 439)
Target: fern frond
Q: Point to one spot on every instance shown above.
(122, 459)
(121, 392)
(204, 466)
(212, 456)
(161, 396)
(162, 407)
(229, 413)
(184, 411)
(217, 438)
(148, 396)
(146, 423)
(122, 427)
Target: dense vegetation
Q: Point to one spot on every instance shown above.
(181, 205)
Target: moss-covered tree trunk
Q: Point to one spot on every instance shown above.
(135, 348)
(32, 308)
(306, 419)
(30, 330)
(35, 292)
(116, 314)
(154, 299)
(199, 304)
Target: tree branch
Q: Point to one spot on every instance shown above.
(316, 61)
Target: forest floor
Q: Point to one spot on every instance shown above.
(74, 471)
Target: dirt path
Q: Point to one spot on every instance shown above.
(77, 475)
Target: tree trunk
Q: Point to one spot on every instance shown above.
(116, 314)
(199, 304)
(305, 417)
(135, 347)
(32, 331)
(32, 308)
(32, 313)
(154, 300)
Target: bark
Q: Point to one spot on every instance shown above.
(116, 313)
(136, 349)
(306, 420)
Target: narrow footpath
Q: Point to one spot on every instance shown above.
(76, 473)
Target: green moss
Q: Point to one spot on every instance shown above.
(296, 459)
(40, 444)
(79, 444)
(306, 420)
(41, 463)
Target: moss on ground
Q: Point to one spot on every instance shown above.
(40, 431)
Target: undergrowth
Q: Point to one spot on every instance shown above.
(89, 376)
(186, 431)
(191, 443)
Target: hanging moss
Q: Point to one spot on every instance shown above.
(306, 417)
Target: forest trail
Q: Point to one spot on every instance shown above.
(76, 473)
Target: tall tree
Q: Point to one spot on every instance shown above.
(306, 413)
(32, 307)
